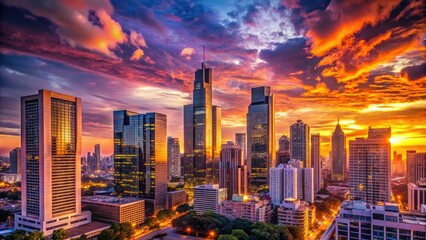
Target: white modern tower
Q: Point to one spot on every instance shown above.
(51, 129)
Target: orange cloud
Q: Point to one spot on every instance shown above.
(187, 53)
(74, 26)
(136, 39)
(341, 19)
(137, 54)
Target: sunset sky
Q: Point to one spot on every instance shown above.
(361, 61)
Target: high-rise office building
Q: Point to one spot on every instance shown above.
(241, 140)
(419, 166)
(369, 166)
(300, 142)
(338, 154)
(208, 197)
(15, 160)
(217, 141)
(202, 132)
(188, 143)
(410, 159)
(282, 183)
(203, 120)
(316, 160)
(283, 153)
(260, 135)
(360, 220)
(232, 170)
(305, 184)
(286, 181)
(98, 157)
(173, 157)
(417, 194)
(140, 157)
(51, 171)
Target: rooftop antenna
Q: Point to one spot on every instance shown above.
(338, 120)
(204, 53)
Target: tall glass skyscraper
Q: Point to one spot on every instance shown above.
(173, 157)
(300, 142)
(338, 154)
(51, 168)
(316, 160)
(202, 132)
(260, 135)
(140, 157)
(370, 166)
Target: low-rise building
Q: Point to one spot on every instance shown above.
(417, 194)
(10, 177)
(176, 198)
(293, 212)
(359, 220)
(246, 207)
(113, 209)
(207, 197)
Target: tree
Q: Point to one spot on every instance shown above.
(107, 234)
(183, 208)
(240, 234)
(59, 234)
(126, 231)
(37, 235)
(165, 214)
(296, 232)
(227, 237)
(151, 222)
(17, 235)
(242, 224)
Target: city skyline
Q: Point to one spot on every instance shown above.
(379, 72)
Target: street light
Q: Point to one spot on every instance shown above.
(212, 233)
(188, 230)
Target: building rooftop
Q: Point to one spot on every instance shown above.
(86, 229)
(110, 199)
(208, 186)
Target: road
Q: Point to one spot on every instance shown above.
(322, 227)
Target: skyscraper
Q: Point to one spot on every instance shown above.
(283, 153)
(217, 141)
(338, 154)
(316, 160)
(188, 143)
(232, 170)
(240, 140)
(140, 157)
(173, 157)
(420, 166)
(410, 158)
(300, 142)
(369, 166)
(15, 160)
(98, 157)
(260, 135)
(51, 171)
(202, 132)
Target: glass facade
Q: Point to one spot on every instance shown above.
(338, 154)
(173, 157)
(260, 136)
(32, 157)
(140, 155)
(188, 141)
(202, 103)
(300, 143)
(128, 150)
(217, 141)
(63, 134)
